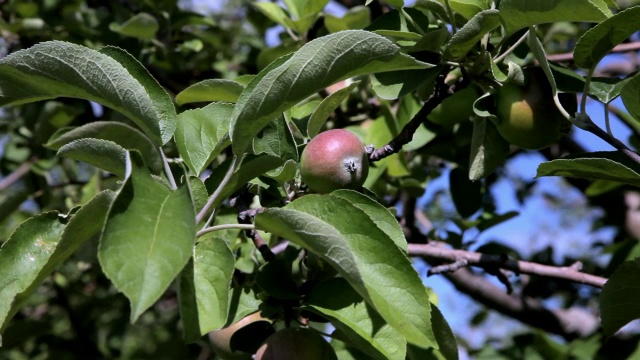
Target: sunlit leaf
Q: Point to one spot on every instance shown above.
(276, 139)
(211, 90)
(334, 227)
(326, 107)
(204, 288)
(22, 259)
(111, 77)
(600, 39)
(141, 26)
(122, 134)
(469, 35)
(336, 300)
(358, 17)
(103, 154)
(147, 238)
(518, 14)
(316, 65)
(202, 134)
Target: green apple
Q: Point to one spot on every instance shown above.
(527, 115)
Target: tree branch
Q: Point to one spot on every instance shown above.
(569, 323)
(460, 258)
(15, 175)
(245, 216)
(632, 46)
(440, 92)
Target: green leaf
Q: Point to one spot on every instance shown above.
(276, 139)
(432, 41)
(336, 228)
(304, 8)
(465, 193)
(382, 217)
(447, 344)
(202, 134)
(103, 154)
(396, 84)
(518, 14)
(336, 300)
(23, 257)
(141, 26)
(600, 39)
(396, 21)
(619, 299)
(252, 166)
(326, 107)
(274, 12)
(242, 303)
(120, 133)
(467, 8)
(163, 111)
(283, 173)
(147, 238)
(316, 65)
(446, 339)
(398, 36)
(53, 69)
(603, 89)
(275, 278)
(204, 288)
(210, 90)
(469, 35)
(631, 96)
(605, 165)
(488, 149)
(358, 17)
(269, 55)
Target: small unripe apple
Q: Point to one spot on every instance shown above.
(296, 344)
(527, 115)
(334, 159)
(249, 331)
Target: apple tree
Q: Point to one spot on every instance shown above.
(173, 186)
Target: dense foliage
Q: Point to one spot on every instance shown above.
(151, 192)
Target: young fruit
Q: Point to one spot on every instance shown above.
(527, 116)
(334, 159)
(238, 341)
(296, 344)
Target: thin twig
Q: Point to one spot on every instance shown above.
(436, 250)
(632, 46)
(16, 175)
(440, 92)
(214, 197)
(588, 125)
(246, 216)
(167, 170)
(224, 227)
(501, 57)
